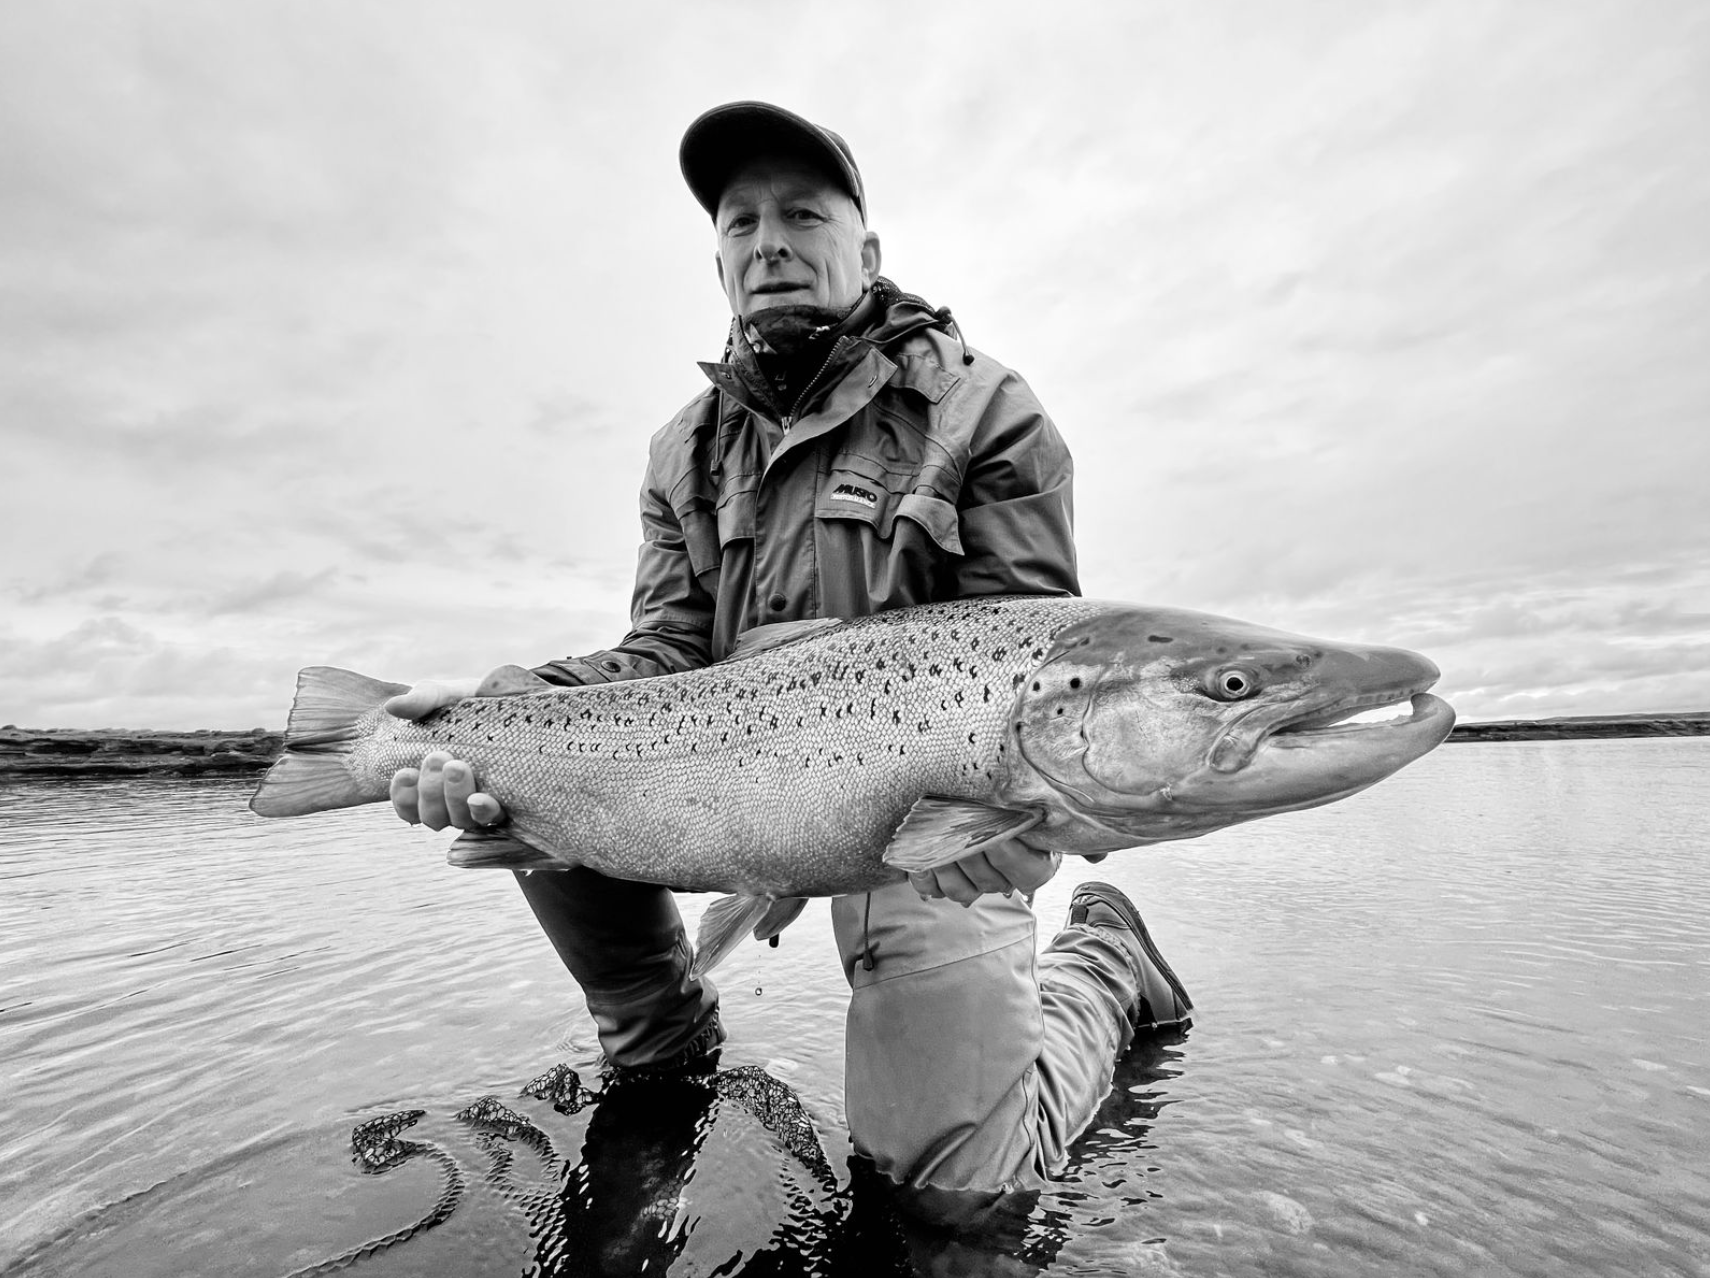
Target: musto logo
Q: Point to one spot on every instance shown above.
(849, 492)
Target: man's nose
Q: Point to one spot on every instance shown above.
(771, 242)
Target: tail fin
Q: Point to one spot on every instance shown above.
(311, 775)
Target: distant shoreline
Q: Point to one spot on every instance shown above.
(1684, 723)
(118, 752)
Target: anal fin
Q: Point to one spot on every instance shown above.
(723, 926)
(938, 830)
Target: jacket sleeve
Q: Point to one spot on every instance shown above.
(670, 613)
(1017, 503)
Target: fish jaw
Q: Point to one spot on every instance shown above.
(1303, 767)
(1143, 726)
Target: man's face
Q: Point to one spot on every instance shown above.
(788, 235)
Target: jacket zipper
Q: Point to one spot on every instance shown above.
(790, 417)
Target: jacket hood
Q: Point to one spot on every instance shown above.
(885, 316)
(883, 319)
(898, 315)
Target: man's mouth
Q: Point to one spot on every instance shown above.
(776, 287)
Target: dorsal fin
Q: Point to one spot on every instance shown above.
(512, 679)
(751, 643)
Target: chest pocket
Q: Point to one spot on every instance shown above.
(879, 502)
(881, 543)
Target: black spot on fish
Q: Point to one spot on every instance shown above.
(1075, 682)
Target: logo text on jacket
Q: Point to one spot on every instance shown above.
(849, 492)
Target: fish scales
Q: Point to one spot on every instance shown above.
(780, 774)
(831, 757)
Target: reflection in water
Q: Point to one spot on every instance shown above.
(637, 1196)
(625, 1208)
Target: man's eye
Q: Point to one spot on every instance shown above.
(739, 223)
(806, 215)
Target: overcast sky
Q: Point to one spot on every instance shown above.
(333, 332)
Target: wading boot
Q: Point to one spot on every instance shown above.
(1163, 1002)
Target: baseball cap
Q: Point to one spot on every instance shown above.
(723, 139)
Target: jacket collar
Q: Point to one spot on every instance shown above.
(884, 318)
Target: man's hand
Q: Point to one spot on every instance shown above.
(429, 695)
(1010, 866)
(442, 791)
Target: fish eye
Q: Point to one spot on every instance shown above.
(1233, 683)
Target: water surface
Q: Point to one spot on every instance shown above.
(1458, 1024)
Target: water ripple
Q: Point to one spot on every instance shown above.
(1459, 1023)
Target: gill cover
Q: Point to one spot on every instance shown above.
(1127, 705)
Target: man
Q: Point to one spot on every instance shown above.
(851, 455)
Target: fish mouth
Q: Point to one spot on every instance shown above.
(1377, 712)
(1331, 752)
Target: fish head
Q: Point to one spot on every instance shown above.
(1154, 724)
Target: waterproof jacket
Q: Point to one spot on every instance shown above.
(912, 469)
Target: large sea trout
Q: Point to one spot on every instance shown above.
(827, 757)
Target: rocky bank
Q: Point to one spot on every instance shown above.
(109, 752)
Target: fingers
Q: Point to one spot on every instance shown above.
(431, 806)
(484, 809)
(1024, 869)
(429, 695)
(946, 881)
(459, 785)
(442, 793)
(1007, 867)
(963, 881)
(404, 795)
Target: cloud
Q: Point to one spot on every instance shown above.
(326, 340)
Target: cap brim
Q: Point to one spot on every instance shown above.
(725, 138)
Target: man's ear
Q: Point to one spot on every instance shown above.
(718, 265)
(869, 258)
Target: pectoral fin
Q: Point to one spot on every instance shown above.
(938, 830)
(501, 849)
